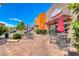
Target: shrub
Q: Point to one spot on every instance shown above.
(76, 29)
(17, 36)
(43, 31)
(50, 31)
(37, 31)
(3, 29)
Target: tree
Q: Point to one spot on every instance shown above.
(26, 27)
(76, 29)
(70, 6)
(20, 26)
(75, 8)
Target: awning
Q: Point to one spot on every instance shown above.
(56, 12)
(54, 15)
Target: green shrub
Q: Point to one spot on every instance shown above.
(17, 36)
(50, 31)
(37, 31)
(43, 31)
(3, 29)
(76, 29)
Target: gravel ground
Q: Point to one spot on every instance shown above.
(38, 46)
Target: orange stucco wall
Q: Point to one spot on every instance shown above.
(37, 22)
(41, 21)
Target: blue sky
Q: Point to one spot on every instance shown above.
(11, 14)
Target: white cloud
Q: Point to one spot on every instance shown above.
(2, 22)
(15, 19)
(7, 24)
(10, 25)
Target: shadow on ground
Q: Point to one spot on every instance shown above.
(3, 41)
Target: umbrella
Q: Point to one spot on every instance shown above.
(60, 24)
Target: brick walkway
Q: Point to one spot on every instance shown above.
(39, 46)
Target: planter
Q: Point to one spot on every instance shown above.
(13, 40)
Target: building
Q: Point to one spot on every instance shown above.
(56, 10)
(12, 28)
(37, 22)
(40, 21)
(56, 6)
(53, 14)
(2, 24)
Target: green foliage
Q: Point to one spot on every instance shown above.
(3, 29)
(43, 31)
(70, 6)
(77, 46)
(76, 29)
(74, 7)
(50, 30)
(17, 36)
(26, 28)
(38, 31)
(20, 26)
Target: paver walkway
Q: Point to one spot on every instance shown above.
(38, 46)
